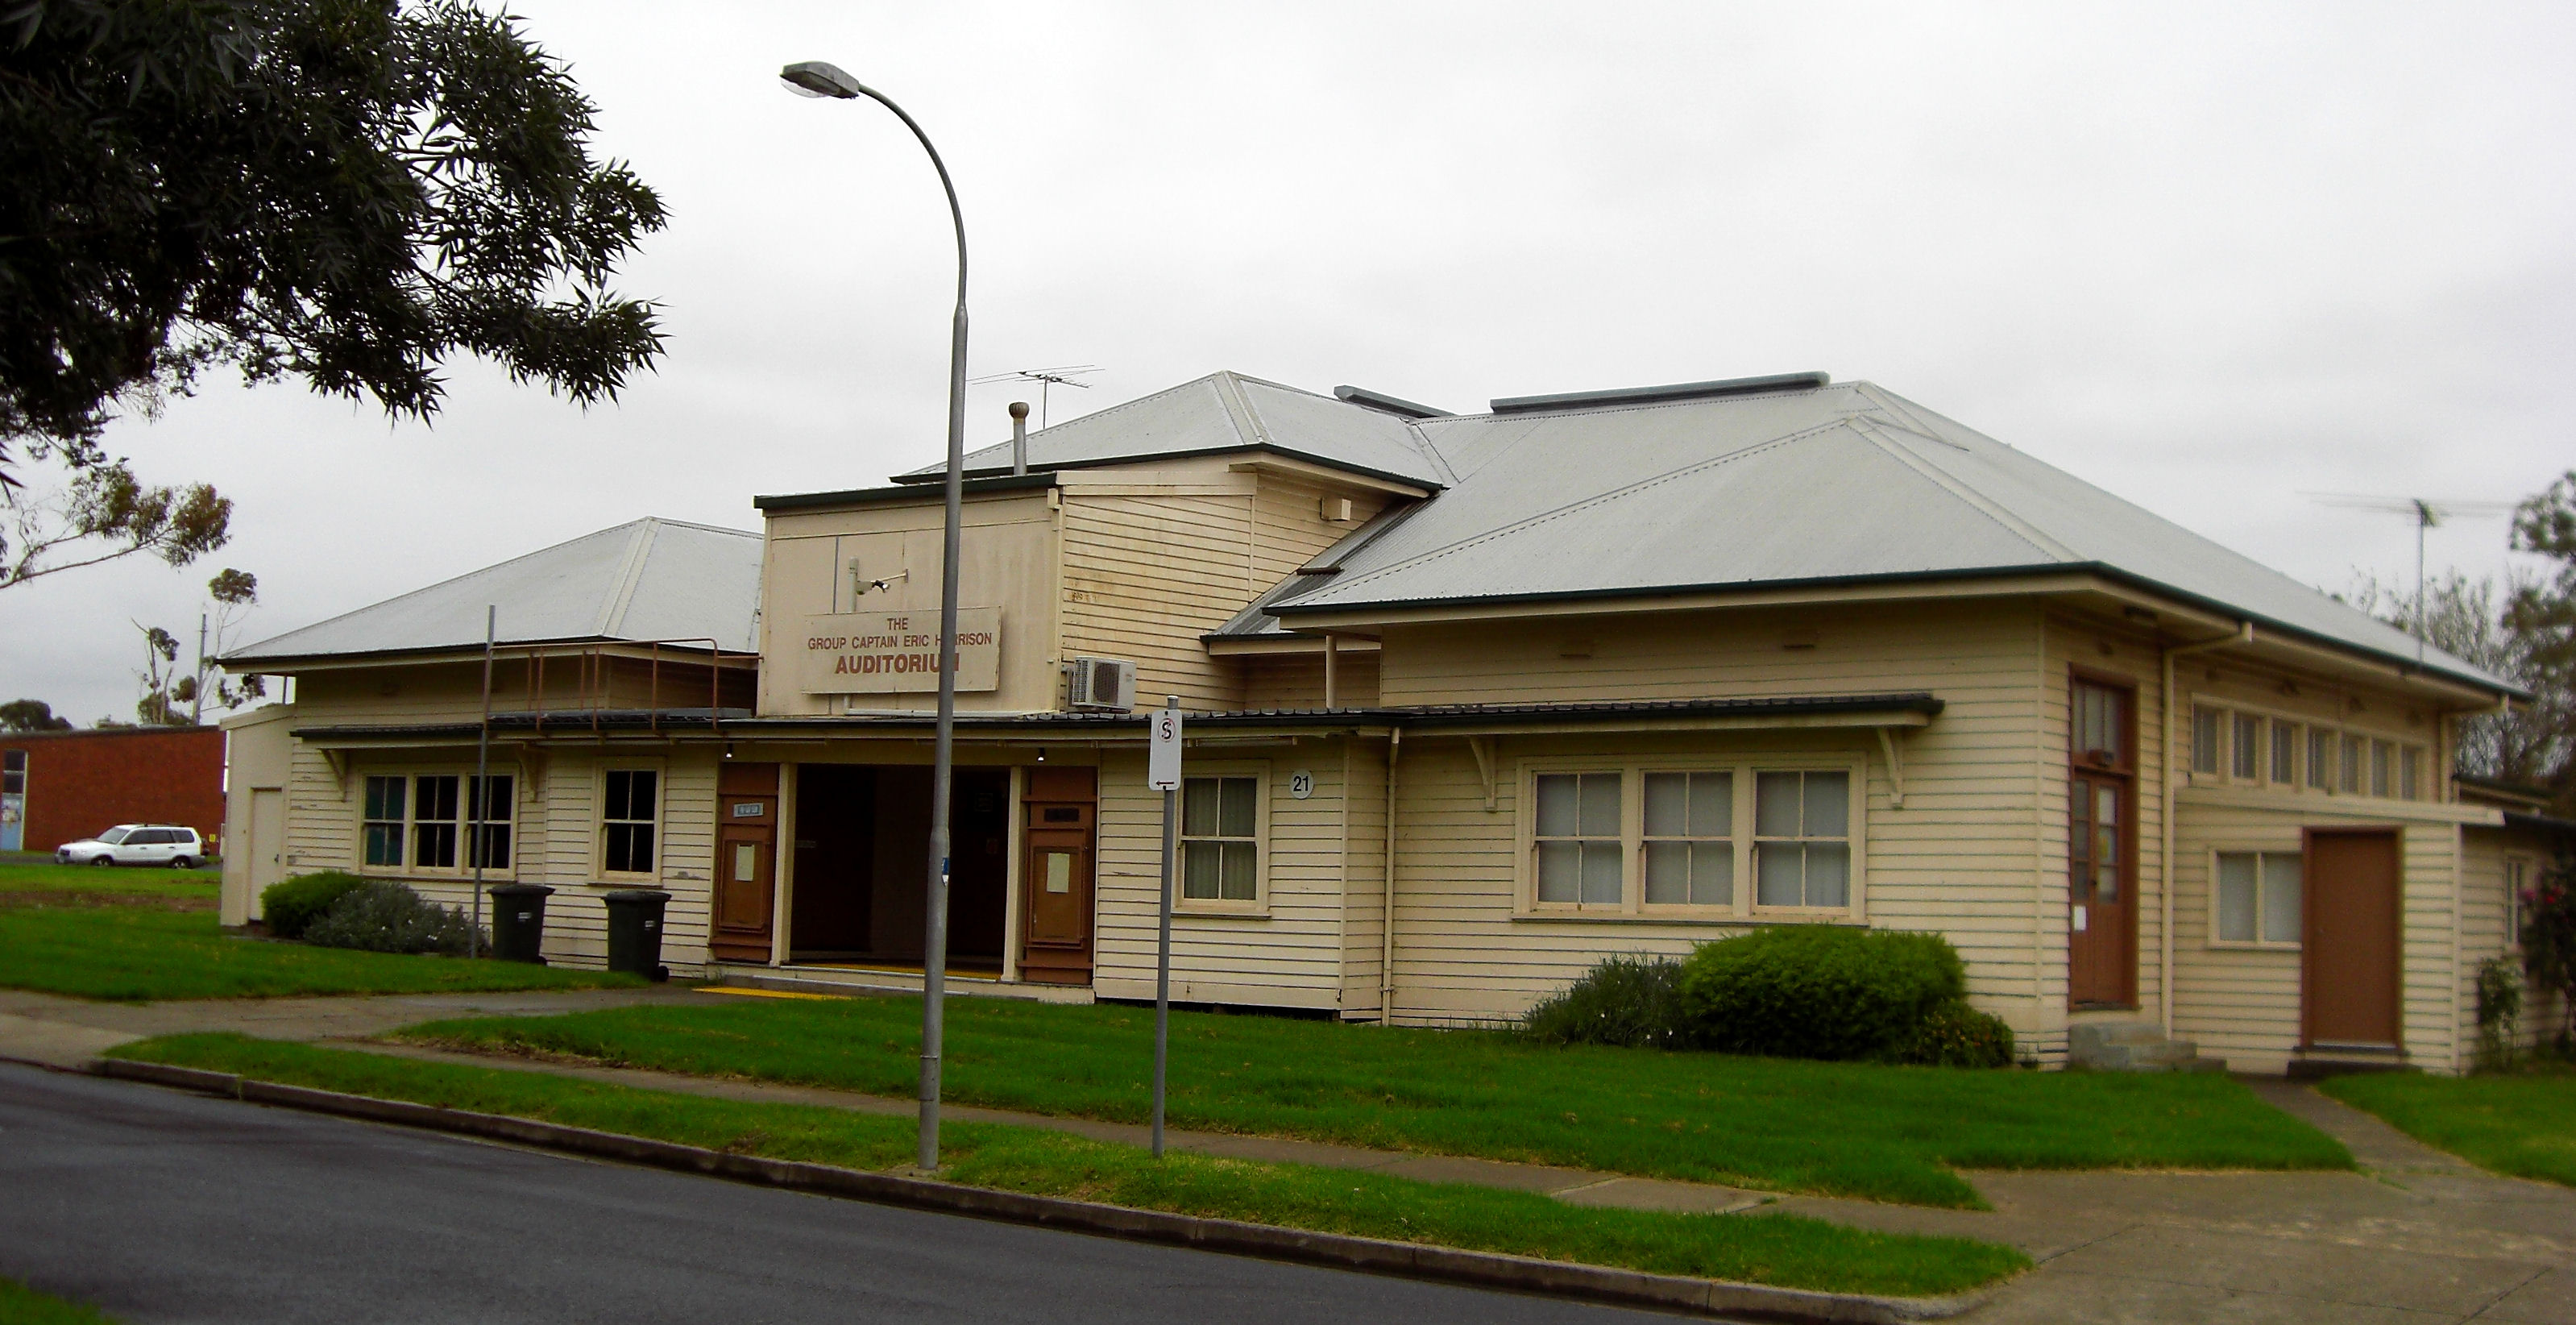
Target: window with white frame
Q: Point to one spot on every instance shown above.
(2247, 748)
(2285, 753)
(2207, 732)
(1578, 842)
(488, 819)
(433, 821)
(1689, 835)
(387, 809)
(2258, 897)
(1802, 839)
(630, 809)
(1220, 839)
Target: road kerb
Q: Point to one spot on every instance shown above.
(1267, 1241)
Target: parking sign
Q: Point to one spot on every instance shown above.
(1163, 759)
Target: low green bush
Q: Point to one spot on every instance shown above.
(289, 905)
(1818, 991)
(384, 916)
(1628, 1001)
(1954, 1034)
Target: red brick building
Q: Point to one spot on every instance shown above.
(58, 787)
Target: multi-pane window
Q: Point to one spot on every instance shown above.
(2356, 753)
(2248, 748)
(2410, 773)
(2258, 896)
(1580, 858)
(1801, 839)
(2383, 759)
(1220, 842)
(487, 821)
(2101, 731)
(629, 808)
(2285, 753)
(387, 807)
(433, 827)
(13, 773)
(2207, 733)
(1690, 839)
(2321, 758)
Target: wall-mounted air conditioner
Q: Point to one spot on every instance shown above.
(1100, 685)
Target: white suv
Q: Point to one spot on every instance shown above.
(136, 844)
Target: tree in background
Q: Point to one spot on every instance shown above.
(176, 698)
(31, 715)
(2542, 614)
(346, 191)
(104, 513)
(2468, 619)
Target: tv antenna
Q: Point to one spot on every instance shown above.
(2427, 512)
(1047, 379)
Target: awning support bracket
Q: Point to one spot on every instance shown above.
(1483, 746)
(1895, 767)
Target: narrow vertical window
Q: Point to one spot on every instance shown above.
(2410, 773)
(2356, 752)
(1690, 839)
(2513, 885)
(433, 822)
(2321, 758)
(2247, 748)
(627, 816)
(488, 808)
(1578, 838)
(2206, 734)
(13, 773)
(1802, 847)
(383, 830)
(2383, 757)
(1220, 846)
(2285, 753)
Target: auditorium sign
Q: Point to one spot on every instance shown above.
(881, 653)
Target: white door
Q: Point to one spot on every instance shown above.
(266, 853)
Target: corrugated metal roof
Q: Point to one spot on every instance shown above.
(651, 579)
(1841, 482)
(1218, 413)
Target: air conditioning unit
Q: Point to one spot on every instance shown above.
(1100, 685)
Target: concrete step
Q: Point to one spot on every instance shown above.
(2133, 1046)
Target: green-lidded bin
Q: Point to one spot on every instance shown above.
(635, 932)
(519, 921)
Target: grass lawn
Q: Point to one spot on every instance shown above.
(151, 934)
(21, 1305)
(1886, 1133)
(1785, 1250)
(2521, 1123)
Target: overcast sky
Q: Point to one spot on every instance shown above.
(2210, 258)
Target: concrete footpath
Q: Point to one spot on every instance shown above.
(2416, 1236)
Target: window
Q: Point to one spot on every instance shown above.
(1220, 839)
(2258, 897)
(386, 809)
(2355, 753)
(2321, 758)
(2248, 748)
(2382, 757)
(2516, 874)
(433, 827)
(2101, 729)
(1801, 846)
(1578, 838)
(626, 817)
(2410, 772)
(13, 773)
(2205, 736)
(2285, 753)
(1690, 839)
(487, 815)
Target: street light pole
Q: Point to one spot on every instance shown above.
(817, 79)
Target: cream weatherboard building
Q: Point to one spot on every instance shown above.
(1474, 701)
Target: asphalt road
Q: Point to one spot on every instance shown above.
(159, 1206)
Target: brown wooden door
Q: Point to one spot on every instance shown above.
(2101, 892)
(2349, 955)
(746, 861)
(1056, 876)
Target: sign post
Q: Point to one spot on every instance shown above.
(1163, 774)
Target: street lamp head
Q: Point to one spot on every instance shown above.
(814, 78)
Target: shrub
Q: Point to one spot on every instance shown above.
(384, 916)
(1628, 1001)
(289, 905)
(1818, 991)
(1954, 1034)
(2499, 1011)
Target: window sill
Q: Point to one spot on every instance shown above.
(2249, 945)
(1221, 910)
(1689, 918)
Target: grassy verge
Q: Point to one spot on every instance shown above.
(2519, 1123)
(47, 884)
(144, 950)
(1785, 1250)
(1885, 1133)
(21, 1305)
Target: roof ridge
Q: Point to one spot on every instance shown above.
(1238, 411)
(621, 595)
(1560, 512)
(1688, 402)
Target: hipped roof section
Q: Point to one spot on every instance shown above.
(650, 579)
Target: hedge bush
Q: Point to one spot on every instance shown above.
(1627, 1001)
(289, 905)
(384, 916)
(1818, 991)
(1956, 1035)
